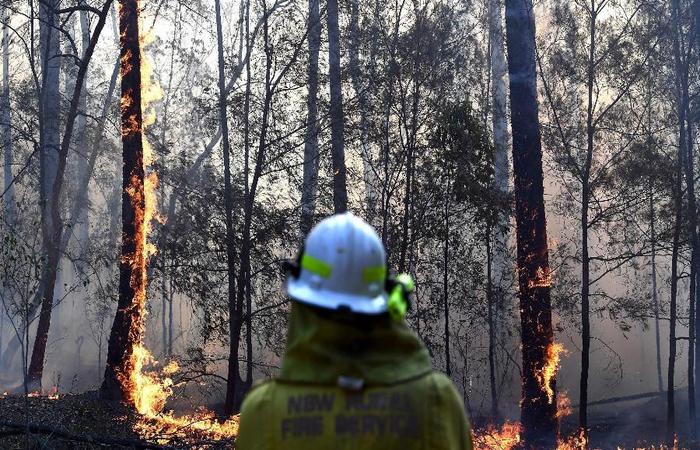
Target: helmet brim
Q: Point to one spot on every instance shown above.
(301, 292)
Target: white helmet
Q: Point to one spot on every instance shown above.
(342, 266)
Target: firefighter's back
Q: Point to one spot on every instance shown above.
(424, 413)
(353, 376)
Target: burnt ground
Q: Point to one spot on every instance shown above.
(84, 421)
(81, 421)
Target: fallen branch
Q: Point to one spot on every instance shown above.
(19, 428)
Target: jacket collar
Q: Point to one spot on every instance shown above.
(321, 348)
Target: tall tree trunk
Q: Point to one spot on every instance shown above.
(695, 40)
(499, 118)
(445, 280)
(10, 203)
(670, 400)
(499, 93)
(340, 194)
(368, 171)
(49, 142)
(82, 222)
(311, 153)
(235, 310)
(497, 251)
(127, 329)
(686, 150)
(585, 204)
(538, 412)
(655, 290)
(492, 327)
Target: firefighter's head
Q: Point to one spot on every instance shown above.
(342, 267)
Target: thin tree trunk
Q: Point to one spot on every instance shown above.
(49, 123)
(499, 93)
(670, 400)
(585, 203)
(311, 153)
(445, 280)
(233, 379)
(82, 222)
(654, 289)
(340, 194)
(492, 329)
(538, 411)
(369, 176)
(10, 206)
(686, 150)
(127, 329)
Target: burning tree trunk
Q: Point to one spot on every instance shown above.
(538, 400)
(127, 329)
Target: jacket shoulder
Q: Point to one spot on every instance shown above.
(450, 414)
(254, 411)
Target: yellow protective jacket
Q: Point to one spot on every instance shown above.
(350, 386)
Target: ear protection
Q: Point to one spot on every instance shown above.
(399, 288)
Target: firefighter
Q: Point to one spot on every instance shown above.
(354, 375)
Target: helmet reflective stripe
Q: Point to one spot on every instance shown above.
(343, 265)
(376, 273)
(316, 266)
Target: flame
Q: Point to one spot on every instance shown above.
(543, 278)
(492, 438)
(149, 389)
(563, 405)
(578, 441)
(550, 369)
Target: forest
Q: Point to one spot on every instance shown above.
(531, 163)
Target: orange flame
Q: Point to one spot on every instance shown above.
(543, 278)
(492, 438)
(550, 369)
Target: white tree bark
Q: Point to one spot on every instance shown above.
(499, 94)
(502, 265)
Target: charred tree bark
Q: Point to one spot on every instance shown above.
(340, 193)
(538, 413)
(127, 329)
(311, 153)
